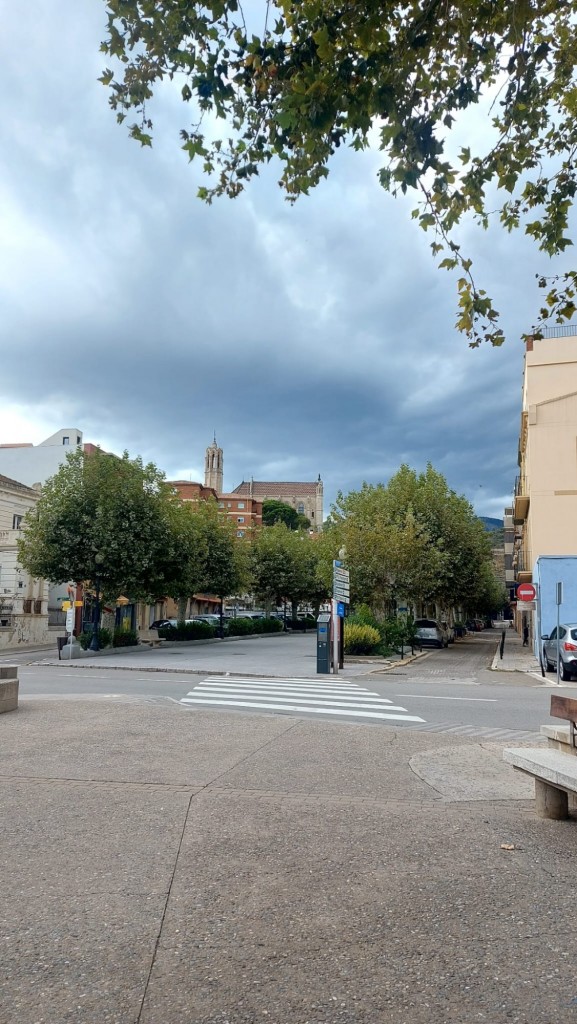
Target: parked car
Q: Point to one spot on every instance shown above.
(211, 618)
(429, 632)
(567, 650)
(161, 623)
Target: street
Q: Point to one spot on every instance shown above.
(446, 691)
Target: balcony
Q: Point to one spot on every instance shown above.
(521, 502)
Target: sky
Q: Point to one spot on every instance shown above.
(315, 338)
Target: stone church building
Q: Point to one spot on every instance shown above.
(304, 496)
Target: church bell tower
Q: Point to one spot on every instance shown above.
(213, 473)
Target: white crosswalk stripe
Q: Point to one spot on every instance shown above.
(297, 696)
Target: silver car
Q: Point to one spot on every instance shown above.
(429, 632)
(567, 650)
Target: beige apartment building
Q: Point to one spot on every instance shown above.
(545, 503)
(23, 600)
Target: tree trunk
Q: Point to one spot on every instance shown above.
(294, 609)
(182, 606)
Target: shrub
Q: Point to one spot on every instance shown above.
(363, 616)
(360, 639)
(240, 627)
(125, 638)
(188, 631)
(271, 625)
(104, 638)
(302, 624)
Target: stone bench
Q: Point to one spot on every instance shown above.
(8, 688)
(152, 639)
(555, 767)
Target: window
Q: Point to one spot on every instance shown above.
(240, 504)
(78, 439)
(229, 504)
(16, 522)
(240, 533)
(301, 509)
(221, 504)
(240, 519)
(65, 440)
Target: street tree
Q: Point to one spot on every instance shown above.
(275, 511)
(281, 567)
(100, 520)
(227, 565)
(296, 79)
(186, 555)
(413, 538)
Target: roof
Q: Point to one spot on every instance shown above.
(15, 485)
(288, 488)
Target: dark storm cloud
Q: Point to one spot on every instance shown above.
(313, 339)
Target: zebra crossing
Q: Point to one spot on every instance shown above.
(296, 696)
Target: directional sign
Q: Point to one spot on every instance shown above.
(526, 592)
(70, 620)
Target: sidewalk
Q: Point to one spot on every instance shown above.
(162, 866)
(516, 658)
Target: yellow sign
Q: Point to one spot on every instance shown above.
(78, 604)
(66, 605)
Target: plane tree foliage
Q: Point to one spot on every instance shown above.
(412, 539)
(101, 518)
(293, 80)
(284, 567)
(116, 521)
(202, 554)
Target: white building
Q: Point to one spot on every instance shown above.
(35, 463)
(23, 600)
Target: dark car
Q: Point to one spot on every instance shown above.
(161, 623)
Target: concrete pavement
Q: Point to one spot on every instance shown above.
(278, 655)
(166, 868)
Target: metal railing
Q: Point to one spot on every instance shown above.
(521, 485)
(560, 331)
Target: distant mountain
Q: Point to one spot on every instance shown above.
(491, 524)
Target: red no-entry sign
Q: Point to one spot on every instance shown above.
(526, 592)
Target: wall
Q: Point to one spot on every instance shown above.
(546, 574)
(23, 601)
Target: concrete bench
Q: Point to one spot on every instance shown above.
(8, 688)
(554, 768)
(152, 639)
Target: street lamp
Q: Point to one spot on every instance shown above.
(94, 645)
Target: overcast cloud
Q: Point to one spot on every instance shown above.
(314, 339)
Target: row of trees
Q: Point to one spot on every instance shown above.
(116, 525)
(417, 541)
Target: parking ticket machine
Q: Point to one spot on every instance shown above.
(324, 648)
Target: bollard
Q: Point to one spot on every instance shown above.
(502, 645)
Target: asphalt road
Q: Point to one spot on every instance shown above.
(448, 691)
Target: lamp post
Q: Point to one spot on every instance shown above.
(94, 644)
